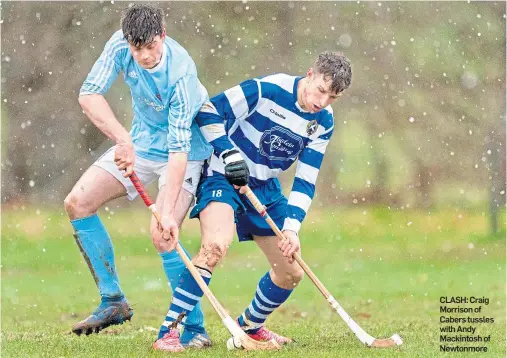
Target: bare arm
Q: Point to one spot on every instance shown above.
(176, 167)
(98, 111)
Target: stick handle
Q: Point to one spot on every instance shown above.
(195, 274)
(261, 209)
(360, 333)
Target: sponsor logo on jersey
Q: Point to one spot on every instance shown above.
(132, 74)
(279, 143)
(155, 106)
(277, 114)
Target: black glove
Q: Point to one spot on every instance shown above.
(236, 170)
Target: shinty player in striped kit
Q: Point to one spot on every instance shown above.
(258, 129)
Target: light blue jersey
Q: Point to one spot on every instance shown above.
(165, 99)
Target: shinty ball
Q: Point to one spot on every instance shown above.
(234, 343)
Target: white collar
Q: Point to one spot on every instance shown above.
(161, 63)
(301, 109)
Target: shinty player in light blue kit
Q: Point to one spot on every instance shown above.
(259, 129)
(166, 95)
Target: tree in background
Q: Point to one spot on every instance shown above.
(425, 117)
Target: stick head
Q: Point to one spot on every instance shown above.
(249, 344)
(395, 340)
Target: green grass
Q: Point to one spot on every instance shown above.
(387, 269)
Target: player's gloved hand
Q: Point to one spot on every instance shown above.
(236, 170)
(289, 245)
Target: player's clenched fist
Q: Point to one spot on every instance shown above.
(289, 245)
(124, 157)
(236, 170)
(170, 231)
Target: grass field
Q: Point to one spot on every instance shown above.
(388, 269)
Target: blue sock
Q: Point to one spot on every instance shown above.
(185, 296)
(173, 268)
(267, 298)
(97, 250)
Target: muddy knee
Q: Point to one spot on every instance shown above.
(76, 207)
(71, 204)
(211, 254)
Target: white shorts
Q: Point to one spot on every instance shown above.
(148, 171)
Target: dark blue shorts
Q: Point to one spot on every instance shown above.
(248, 221)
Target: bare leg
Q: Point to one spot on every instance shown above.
(95, 188)
(217, 230)
(282, 273)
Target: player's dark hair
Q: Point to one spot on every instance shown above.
(335, 67)
(140, 24)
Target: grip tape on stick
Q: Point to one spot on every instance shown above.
(140, 189)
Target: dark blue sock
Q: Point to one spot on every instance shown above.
(268, 297)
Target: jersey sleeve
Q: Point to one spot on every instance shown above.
(107, 67)
(183, 104)
(303, 189)
(236, 103)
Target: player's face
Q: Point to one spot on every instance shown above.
(317, 94)
(149, 55)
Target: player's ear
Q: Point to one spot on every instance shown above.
(309, 74)
(162, 35)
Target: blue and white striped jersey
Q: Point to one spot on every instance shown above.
(262, 119)
(165, 99)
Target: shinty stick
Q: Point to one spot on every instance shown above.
(360, 333)
(239, 337)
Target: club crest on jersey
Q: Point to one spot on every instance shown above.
(312, 127)
(279, 143)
